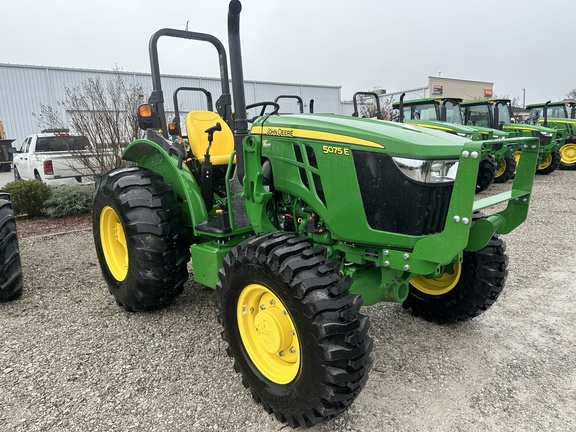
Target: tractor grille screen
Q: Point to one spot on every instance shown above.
(394, 203)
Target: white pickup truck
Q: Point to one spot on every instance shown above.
(53, 158)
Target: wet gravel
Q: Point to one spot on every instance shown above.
(71, 360)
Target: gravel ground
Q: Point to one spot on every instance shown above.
(71, 360)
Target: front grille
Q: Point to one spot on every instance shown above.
(395, 203)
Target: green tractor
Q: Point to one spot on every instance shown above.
(10, 265)
(497, 114)
(560, 116)
(445, 114)
(297, 221)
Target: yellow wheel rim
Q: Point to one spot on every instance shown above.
(268, 334)
(440, 285)
(517, 156)
(545, 161)
(113, 242)
(568, 153)
(501, 168)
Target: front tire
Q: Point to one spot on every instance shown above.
(505, 169)
(141, 245)
(294, 330)
(10, 265)
(465, 292)
(549, 162)
(568, 154)
(486, 173)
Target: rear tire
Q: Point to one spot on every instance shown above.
(295, 332)
(141, 245)
(10, 265)
(549, 163)
(486, 173)
(505, 169)
(568, 154)
(466, 293)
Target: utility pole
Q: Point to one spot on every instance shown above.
(524, 98)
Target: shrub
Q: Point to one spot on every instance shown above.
(28, 197)
(69, 201)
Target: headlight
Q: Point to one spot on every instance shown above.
(427, 171)
(545, 137)
(463, 135)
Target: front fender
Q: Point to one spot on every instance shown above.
(152, 156)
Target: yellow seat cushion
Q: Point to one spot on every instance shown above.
(222, 145)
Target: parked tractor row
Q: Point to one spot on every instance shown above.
(562, 117)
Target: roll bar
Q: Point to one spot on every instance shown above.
(156, 99)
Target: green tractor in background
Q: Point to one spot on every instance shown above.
(296, 221)
(560, 116)
(497, 114)
(445, 114)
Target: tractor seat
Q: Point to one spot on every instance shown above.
(222, 145)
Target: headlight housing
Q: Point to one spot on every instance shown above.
(545, 137)
(428, 171)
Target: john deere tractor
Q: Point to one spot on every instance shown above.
(497, 114)
(10, 265)
(560, 116)
(445, 114)
(296, 221)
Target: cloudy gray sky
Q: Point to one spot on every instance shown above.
(358, 44)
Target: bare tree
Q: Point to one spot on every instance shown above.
(571, 95)
(105, 113)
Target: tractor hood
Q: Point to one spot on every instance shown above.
(374, 135)
(486, 132)
(528, 127)
(466, 131)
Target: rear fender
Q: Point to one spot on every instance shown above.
(150, 155)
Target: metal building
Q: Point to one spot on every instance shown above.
(24, 88)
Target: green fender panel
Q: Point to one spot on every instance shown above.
(150, 155)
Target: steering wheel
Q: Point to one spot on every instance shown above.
(263, 110)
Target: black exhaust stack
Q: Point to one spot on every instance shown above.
(496, 117)
(401, 108)
(240, 118)
(546, 113)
